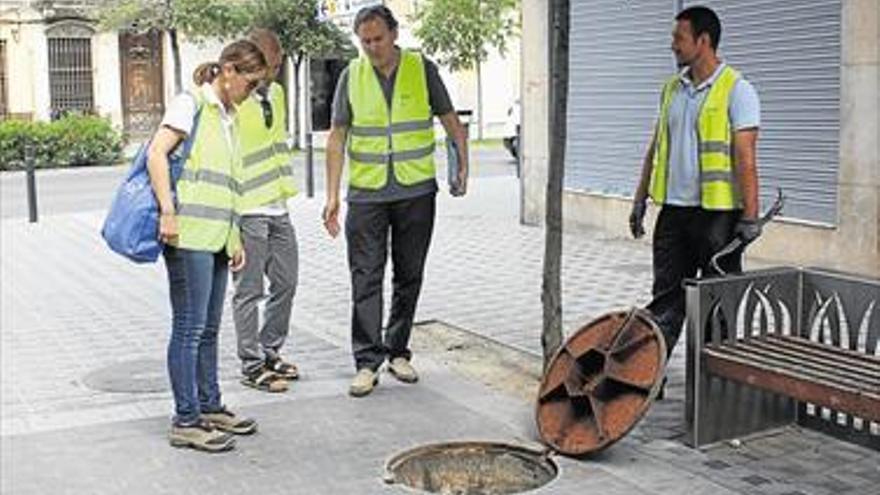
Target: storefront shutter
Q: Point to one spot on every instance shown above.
(790, 51)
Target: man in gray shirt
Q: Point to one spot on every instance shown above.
(383, 108)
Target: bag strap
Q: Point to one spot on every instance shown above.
(191, 137)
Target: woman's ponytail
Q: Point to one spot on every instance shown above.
(205, 73)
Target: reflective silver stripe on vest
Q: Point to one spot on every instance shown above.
(205, 212)
(715, 147)
(264, 154)
(413, 125)
(397, 157)
(263, 179)
(211, 177)
(357, 130)
(716, 176)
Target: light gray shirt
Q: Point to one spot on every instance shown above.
(744, 112)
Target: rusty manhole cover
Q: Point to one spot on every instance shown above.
(134, 376)
(601, 382)
(471, 468)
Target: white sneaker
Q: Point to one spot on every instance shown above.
(364, 382)
(403, 370)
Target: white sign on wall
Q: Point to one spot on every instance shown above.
(336, 9)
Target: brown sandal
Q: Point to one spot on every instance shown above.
(265, 380)
(286, 370)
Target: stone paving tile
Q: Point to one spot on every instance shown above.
(65, 299)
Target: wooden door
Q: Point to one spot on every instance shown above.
(140, 57)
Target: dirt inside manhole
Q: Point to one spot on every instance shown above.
(471, 468)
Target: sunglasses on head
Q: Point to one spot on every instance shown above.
(265, 105)
(267, 112)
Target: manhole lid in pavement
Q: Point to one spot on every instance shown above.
(133, 376)
(471, 468)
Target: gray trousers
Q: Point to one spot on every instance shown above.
(271, 252)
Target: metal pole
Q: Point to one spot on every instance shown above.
(29, 160)
(310, 165)
(310, 150)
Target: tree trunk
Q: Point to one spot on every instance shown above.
(479, 101)
(297, 64)
(175, 55)
(551, 295)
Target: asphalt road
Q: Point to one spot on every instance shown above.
(85, 189)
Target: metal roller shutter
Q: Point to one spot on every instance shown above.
(790, 51)
(619, 59)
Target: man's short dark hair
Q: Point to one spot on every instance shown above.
(375, 12)
(703, 20)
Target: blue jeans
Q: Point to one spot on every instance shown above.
(197, 284)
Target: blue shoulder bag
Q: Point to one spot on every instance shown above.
(132, 224)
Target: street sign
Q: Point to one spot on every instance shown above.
(333, 9)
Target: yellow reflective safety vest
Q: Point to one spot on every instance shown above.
(718, 190)
(208, 206)
(402, 134)
(267, 174)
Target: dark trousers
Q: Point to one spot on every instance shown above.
(685, 238)
(367, 225)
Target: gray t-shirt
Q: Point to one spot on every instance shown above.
(440, 103)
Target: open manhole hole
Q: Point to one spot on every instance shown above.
(471, 468)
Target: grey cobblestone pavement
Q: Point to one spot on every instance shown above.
(85, 404)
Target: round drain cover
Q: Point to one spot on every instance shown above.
(601, 382)
(471, 467)
(135, 376)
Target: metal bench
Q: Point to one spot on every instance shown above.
(781, 346)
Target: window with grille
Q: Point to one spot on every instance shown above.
(4, 102)
(70, 70)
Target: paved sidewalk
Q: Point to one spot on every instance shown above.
(85, 402)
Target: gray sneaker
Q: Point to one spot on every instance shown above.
(364, 382)
(228, 421)
(201, 436)
(403, 370)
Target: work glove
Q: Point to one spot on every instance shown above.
(747, 229)
(637, 218)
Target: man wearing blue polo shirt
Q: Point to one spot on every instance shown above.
(700, 166)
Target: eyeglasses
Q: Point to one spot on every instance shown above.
(252, 84)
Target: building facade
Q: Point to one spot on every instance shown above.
(815, 66)
(500, 80)
(54, 59)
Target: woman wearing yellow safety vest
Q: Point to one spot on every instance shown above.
(202, 240)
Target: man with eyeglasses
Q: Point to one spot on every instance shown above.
(267, 233)
(384, 107)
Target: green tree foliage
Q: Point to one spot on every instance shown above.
(294, 21)
(459, 33)
(302, 36)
